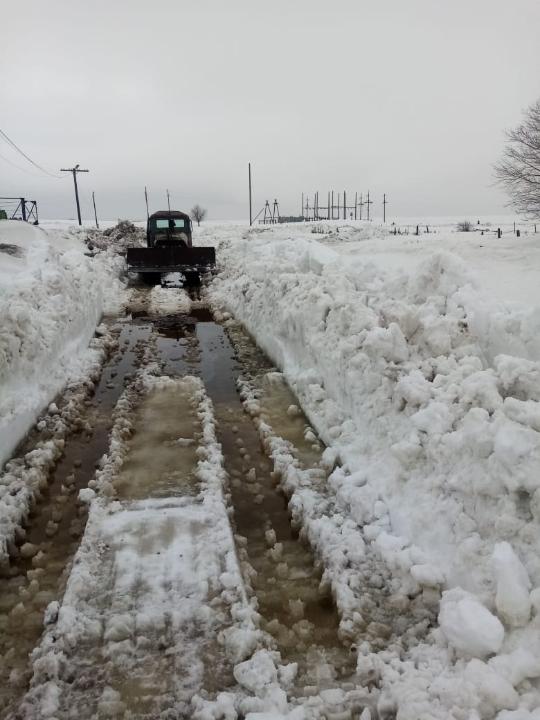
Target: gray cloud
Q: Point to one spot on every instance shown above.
(409, 98)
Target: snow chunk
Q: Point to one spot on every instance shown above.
(86, 495)
(257, 673)
(427, 575)
(495, 692)
(239, 642)
(435, 419)
(517, 665)
(469, 626)
(50, 701)
(51, 613)
(28, 550)
(514, 442)
(388, 342)
(414, 389)
(512, 600)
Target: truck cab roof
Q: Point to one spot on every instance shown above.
(169, 214)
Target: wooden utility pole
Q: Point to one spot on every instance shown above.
(384, 203)
(332, 204)
(75, 170)
(95, 211)
(250, 199)
(344, 205)
(355, 204)
(302, 206)
(146, 199)
(168, 200)
(361, 205)
(368, 203)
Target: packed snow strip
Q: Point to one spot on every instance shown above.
(168, 301)
(142, 603)
(152, 586)
(25, 477)
(52, 297)
(158, 301)
(427, 391)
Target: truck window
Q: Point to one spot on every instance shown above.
(163, 223)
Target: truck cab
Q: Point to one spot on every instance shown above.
(168, 227)
(170, 250)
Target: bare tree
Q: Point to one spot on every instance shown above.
(198, 213)
(519, 168)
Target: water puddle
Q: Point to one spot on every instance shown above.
(279, 405)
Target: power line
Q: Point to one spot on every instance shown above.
(18, 149)
(24, 170)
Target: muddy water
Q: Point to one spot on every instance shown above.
(295, 611)
(279, 405)
(300, 617)
(55, 526)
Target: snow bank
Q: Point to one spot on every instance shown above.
(428, 394)
(51, 299)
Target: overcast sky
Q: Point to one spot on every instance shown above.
(407, 97)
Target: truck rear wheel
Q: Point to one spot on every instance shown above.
(193, 279)
(151, 278)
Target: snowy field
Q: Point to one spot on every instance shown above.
(417, 361)
(506, 268)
